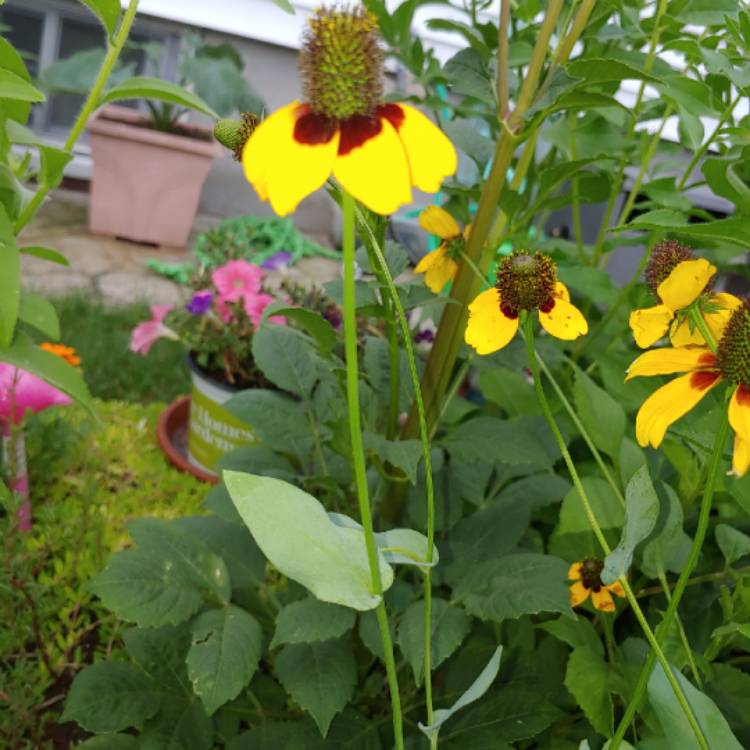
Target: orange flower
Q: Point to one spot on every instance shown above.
(586, 577)
(68, 353)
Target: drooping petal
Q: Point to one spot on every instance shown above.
(668, 361)
(574, 571)
(564, 321)
(430, 153)
(20, 391)
(289, 156)
(488, 328)
(439, 222)
(650, 324)
(561, 291)
(739, 418)
(717, 321)
(740, 457)
(438, 269)
(670, 402)
(616, 588)
(686, 281)
(372, 165)
(578, 594)
(603, 600)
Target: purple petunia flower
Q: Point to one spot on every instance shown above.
(201, 302)
(277, 261)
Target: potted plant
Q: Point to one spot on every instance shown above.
(148, 170)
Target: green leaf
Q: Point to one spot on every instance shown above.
(448, 626)
(10, 291)
(587, 678)
(54, 370)
(111, 696)
(722, 178)
(670, 545)
(369, 633)
(107, 11)
(12, 61)
(181, 724)
(475, 691)
(689, 95)
(592, 283)
(320, 677)
(606, 70)
(310, 620)
(161, 653)
(706, 12)
(515, 585)
(287, 358)
(45, 253)
(403, 454)
(165, 579)
(577, 632)
(465, 136)
(641, 513)
(314, 323)
(54, 161)
(732, 543)
(509, 390)
(734, 230)
(226, 648)
(672, 718)
(279, 421)
(604, 502)
(295, 533)
(144, 87)
(110, 742)
(13, 86)
(601, 415)
(468, 76)
(39, 313)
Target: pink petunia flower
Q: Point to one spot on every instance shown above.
(236, 279)
(145, 334)
(20, 392)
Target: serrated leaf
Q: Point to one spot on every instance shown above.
(601, 415)
(515, 585)
(310, 620)
(179, 725)
(145, 87)
(107, 11)
(732, 543)
(161, 653)
(165, 579)
(466, 136)
(672, 718)
(641, 513)
(111, 696)
(587, 678)
(475, 691)
(605, 70)
(224, 654)
(297, 536)
(320, 677)
(468, 75)
(448, 627)
(404, 454)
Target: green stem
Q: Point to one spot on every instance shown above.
(358, 457)
(424, 437)
(700, 323)
(453, 389)
(682, 582)
(91, 103)
(596, 528)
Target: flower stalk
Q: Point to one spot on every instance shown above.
(358, 457)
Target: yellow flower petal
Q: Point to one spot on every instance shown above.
(740, 457)
(488, 329)
(564, 321)
(687, 280)
(438, 269)
(376, 172)
(616, 588)
(739, 418)
(574, 572)
(717, 321)
(578, 594)
(670, 402)
(282, 170)
(439, 222)
(561, 291)
(602, 600)
(650, 324)
(681, 335)
(431, 155)
(668, 361)
(467, 232)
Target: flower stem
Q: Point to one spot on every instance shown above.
(358, 458)
(385, 272)
(596, 528)
(91, 103)
(700, 323)
(682, 582)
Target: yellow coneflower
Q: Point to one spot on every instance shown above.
(439, 266)
(586, 577)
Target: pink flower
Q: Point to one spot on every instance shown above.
(236, 279)
(20, 391)
(253, 304)
(145, 334)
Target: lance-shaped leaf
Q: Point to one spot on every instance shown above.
(107, 11)
(296, 534)
(475, 691)
(641, 513)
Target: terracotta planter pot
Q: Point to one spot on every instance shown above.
(146, 184)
